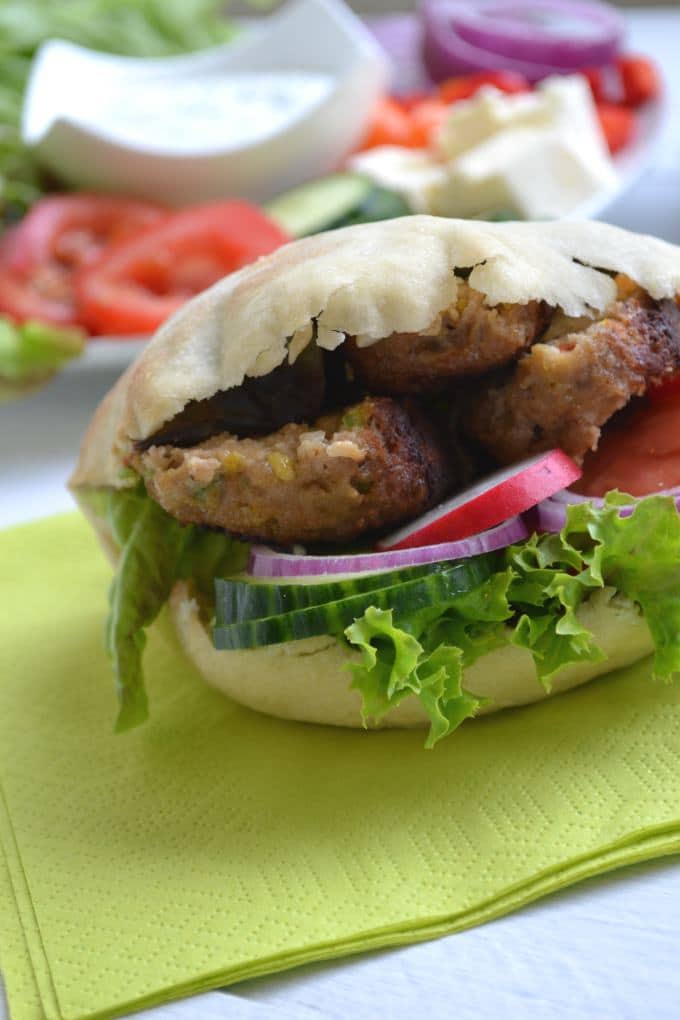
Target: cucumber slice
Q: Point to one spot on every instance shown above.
(314, 206)
(333, 617)
(240, 600)
(379, 204)
(334, 201)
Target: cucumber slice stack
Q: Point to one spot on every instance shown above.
(251, 614)
(241, 600)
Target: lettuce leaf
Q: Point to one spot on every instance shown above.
(395, 664)
(31, 353)
(532, 602)
(639, 555)
(156, 551)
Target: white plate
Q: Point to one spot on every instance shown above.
(107, 354)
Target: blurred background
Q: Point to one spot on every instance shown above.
(74, 313)
(382, 140)
(382, 6)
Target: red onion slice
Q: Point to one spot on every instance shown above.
(567, 496)
(447, 53)
(266, 562)
(551, 514)
(535, 30)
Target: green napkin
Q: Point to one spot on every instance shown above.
(214, 844)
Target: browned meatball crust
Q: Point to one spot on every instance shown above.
(562, 392)
(469, 338)
(375, 464)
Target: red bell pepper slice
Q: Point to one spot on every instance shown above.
(618, 125)
(640, 79)
(390, 125)
(454, 89)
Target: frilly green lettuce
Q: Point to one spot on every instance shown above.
(531, 602)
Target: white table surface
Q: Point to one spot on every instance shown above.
(608, 948)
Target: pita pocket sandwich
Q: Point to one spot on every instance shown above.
(250, 465)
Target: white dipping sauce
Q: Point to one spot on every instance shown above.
(214, 111)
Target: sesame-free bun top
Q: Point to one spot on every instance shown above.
(368, 282)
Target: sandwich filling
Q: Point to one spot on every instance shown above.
(339, 447)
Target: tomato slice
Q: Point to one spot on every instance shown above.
(73, 229)
(45, 297)
(60, 234)
(136, 284)
(639, 451)
(667, 390)
(43, 294)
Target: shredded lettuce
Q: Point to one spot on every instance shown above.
(155, 551)
(530, 602)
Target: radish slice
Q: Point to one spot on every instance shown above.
(495, 498)
(269, 563)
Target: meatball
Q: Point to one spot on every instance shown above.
(468, 339)
(375, 464)
(562, 391)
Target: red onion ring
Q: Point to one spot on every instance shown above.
(447, 53)
(516, 30)
(551, 514)
(568, 496)
(266, 562)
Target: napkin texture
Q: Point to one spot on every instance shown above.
(214, 844)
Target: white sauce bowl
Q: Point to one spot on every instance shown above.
(281, 104)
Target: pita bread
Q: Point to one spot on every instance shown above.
(367, 282)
